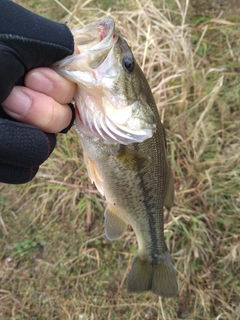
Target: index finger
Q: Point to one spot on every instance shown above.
(49, 82)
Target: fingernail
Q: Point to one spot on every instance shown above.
(39, 82)
(18, 103)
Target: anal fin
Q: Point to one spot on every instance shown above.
(115, 226)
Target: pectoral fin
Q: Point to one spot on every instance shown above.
(131, 159)
(115, 226)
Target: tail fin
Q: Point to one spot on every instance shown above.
(159, 277)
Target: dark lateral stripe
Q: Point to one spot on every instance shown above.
(150, 209)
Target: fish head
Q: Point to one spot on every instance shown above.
(111, 99)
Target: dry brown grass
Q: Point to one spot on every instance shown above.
(55, 262)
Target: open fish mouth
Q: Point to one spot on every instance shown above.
(102, 110)
(96, 40)
(94, 34)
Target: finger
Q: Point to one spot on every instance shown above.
(49, 82)
(37, 109)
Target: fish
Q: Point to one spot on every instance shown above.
(125, 149)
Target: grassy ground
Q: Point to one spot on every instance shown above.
(55, 262)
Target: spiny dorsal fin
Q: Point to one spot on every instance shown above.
(115, 226)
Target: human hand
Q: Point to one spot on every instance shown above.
(45, 93)
(30, 41)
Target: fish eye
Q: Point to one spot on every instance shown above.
(128, 64)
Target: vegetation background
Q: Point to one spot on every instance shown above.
(55, 262)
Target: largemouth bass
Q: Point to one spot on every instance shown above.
(125, 149)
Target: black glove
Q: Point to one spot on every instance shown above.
(27, 41)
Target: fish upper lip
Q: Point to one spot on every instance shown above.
(96, 40)
(95, 35)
